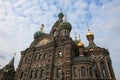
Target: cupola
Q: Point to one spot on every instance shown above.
(39, 33)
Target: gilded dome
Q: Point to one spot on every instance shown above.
(80, 44)
(89, 33)
(65, 26)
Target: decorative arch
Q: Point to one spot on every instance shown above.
(75, 71)
(42, 40)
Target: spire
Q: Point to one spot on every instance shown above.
(42, 28)
(12, 60)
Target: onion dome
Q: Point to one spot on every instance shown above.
(76, 41)
(39, 33)
(80, 44)
(89, 33)
(65, 26)
(60, 15)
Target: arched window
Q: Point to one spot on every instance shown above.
(45, 56)
(35, 57)
(83, 72)
(36, 74)
(41, 73)
(21, 75)
(31, 74)
(40, 56)
(60, 54)
(54, 34)
(75, 71)
(90, 69)
(58, 73)
(103, 69)
(26, 60)
(96, 71)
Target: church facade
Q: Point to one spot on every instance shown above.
(56, 56)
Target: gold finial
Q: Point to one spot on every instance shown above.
(42, 27)
(65, 18)
(14, 55)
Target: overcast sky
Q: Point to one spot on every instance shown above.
(20, 19)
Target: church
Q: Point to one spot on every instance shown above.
(56, 56)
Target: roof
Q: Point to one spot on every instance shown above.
(80, 59)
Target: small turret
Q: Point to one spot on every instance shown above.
(80, 44)
(65, 29)
(76, 41)
(90, 38)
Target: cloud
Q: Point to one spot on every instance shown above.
(19, 20)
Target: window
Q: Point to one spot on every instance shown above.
(54, 34)
(60, 54)
(90, 69)
(25, 60)
(40, 56)
(21, 75)
(103, 69)
(41, 74)
(75, 71)
(36, 73)
(67, 78)
(83, 72)
(47, 74)
(58, 73)
(45, 56)
(96, 71)
(35, 57)
(31, 74)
